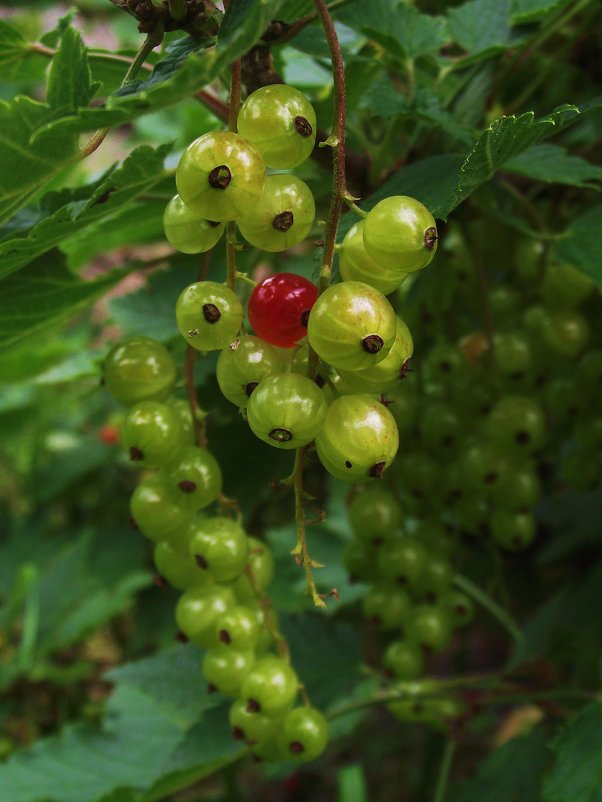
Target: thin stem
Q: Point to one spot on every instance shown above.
(197, 416)
(337, 142)
(485, 600)
(153, 39)
(231, 255)
(444, 770)
(214, 104)
(301, 550)
(296, 27)
(280, 641)
(234, 101)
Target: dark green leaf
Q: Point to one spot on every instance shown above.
(481, 27)
(397, 26)
(142, 169)
(581, 244)
(531, 10)
(577, 773)
(513, 773)
(553, 165)
(44, 294)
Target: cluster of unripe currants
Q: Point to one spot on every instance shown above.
(223, 573)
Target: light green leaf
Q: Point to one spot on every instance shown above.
(13, 50)
(44, 294)
(577, 774)
(481, 27)
(553, 165)
(142, 169)
(581, 244)
(397, 26)
(531, 10)
(69, 81)
(513, 773)
(24, 169)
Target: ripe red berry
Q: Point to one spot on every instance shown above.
(279, 308)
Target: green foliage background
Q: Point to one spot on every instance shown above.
(453, 103)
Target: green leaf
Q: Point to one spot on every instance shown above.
(244, 23)
(69, 82)
(44, 294)
(24, 169)
(581, 244)
(553, 165)
(513, 773)
(532, 10)
(142, 169)
(577, 773)
(397, 26)
(13, 50)
(481, 27)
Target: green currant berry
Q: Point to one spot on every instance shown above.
(513, 355)
(219, 546)
(460, 607)
(403, 561)
(566, 333)
(387, 607)
(282, 217)
(173, 562)
(519, 490)
(581, 468)
(199, 608)
(375, 515)
(138, 369)
(152, 433)
(440, 426)
(565, 287)
(401, 403)
(517, 423)
(209, 315)
(359, 558)
(225, 668)
(260, 563)
(352, 326)
(303, 735)
(358, 439)
(286, 410)
(400, 234)
(420, 475)
(404, 660)
(238, 628)
(513, 531)
(483, 465)
(157, 510)
(281, 123)
(387, 373)
(251, 727)
(442, 362)
(436, 578)
(220, 175)
(270, 686)
(430, 627)
(243, 365)
(356, 264)
(195, 475)
(369, 443)
(186, 231)
(182, 410)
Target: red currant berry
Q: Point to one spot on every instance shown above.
(279, 308)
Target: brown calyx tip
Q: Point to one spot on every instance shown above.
(372, 343)
(252, 706)
(280, 435)
(405, 369)
(376, 471)
(201, 562)
(237, 734)
(283, 221)
(159, 581)
(219, 177)
(305, 318)
(186, 486)
(224, 636)
(296, 747)
(136, 454)
(250, 387)
(303, 126)
(211, 313)
(181, 637)
(430, 238)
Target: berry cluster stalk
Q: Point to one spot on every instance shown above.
(339, 192)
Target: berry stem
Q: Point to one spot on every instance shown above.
(301, 550)
(485, 600)
(153, 39)
(270, 622)
(444, 770)
(337, 140)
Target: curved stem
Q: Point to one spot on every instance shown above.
(301, 550)
(152, 40)
(444, 769)
(270, 622)
(485, 600)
